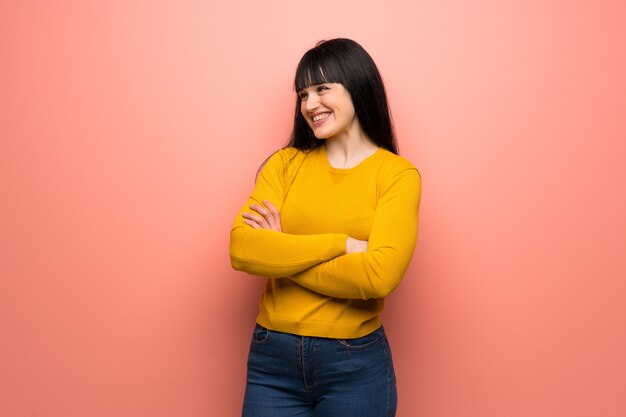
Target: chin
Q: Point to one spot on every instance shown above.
(322, 135)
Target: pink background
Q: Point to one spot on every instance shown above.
(131, 132)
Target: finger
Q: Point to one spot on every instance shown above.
(253, 224)
(267, 216)
(275, 213)
(257, 219)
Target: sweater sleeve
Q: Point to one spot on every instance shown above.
(377, 272)
(275, 254)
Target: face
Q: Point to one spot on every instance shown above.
(328, 110)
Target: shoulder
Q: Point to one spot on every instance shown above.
(278, 158)
(282, 162)
(284, 158)
(397, 176)
(392, 165)
(285, 155)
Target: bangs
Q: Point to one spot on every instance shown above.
(318, 67)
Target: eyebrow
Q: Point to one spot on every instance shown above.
(312, 85)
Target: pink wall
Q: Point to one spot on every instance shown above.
(130, 135)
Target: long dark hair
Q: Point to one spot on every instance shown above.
(346, 62)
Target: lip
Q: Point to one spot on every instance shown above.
(322, 121)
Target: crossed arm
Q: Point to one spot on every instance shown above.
(268, 218)
(357, 269)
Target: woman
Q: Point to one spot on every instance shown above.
(332, 222)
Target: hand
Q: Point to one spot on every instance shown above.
(355, 246)
(267, 218)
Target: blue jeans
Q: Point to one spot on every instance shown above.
(297, 376)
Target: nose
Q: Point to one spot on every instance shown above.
(312, 102)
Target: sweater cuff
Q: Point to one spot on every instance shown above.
(336, 245)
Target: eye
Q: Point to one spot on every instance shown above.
(321, 88)
(303, 95)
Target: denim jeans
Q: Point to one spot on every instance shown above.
(297, 376)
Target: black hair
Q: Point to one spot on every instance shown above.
(346, 62)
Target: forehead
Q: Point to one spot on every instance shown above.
(315, 72)
(310, 76)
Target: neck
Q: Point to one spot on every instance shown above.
(347, 151)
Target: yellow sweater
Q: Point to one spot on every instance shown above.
(314, 288)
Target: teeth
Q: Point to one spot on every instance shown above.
(320, 117)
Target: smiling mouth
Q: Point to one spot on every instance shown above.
(320, 117)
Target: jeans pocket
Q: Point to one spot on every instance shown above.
(365, 341)
(260, 335)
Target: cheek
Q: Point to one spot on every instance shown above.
(350, 111)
